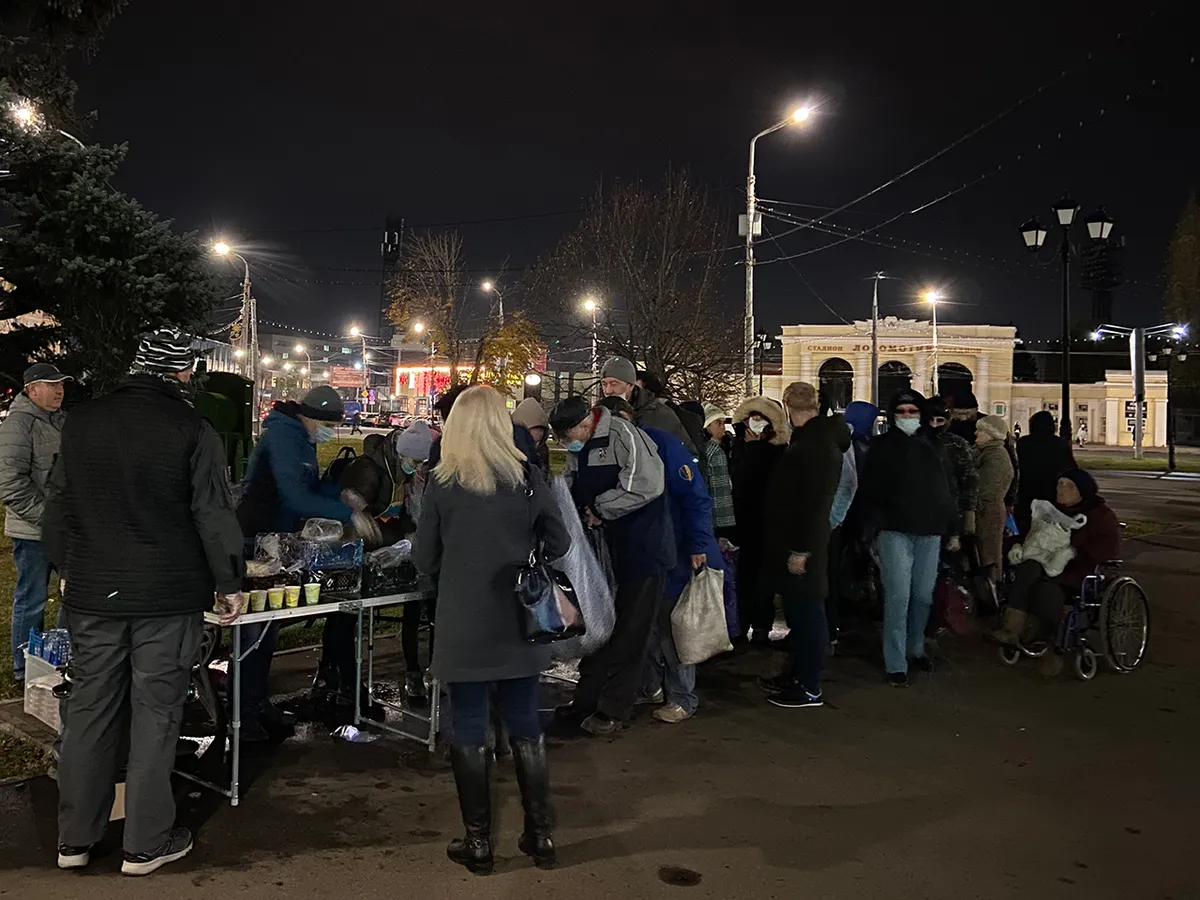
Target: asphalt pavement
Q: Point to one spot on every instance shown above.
(979, 781)
(1172, 499)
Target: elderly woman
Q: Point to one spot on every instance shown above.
(484, 509)
(995, 471)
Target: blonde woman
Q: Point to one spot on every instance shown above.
(483, 512)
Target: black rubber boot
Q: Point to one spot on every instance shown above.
(473, 778)
(533, 776)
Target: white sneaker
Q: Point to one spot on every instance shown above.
(672, 714)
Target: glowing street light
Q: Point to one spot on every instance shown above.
(266, 360)
(490, 287)
(533, 379)
(287, 367)
(932, 297)
(419, 327)
(27, 116)
(592, 305)
(750, 227)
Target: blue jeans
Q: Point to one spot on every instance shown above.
(517, 699)
(29, 599)
(908, 569)
(663, 669)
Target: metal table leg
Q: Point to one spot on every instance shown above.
(236, 725)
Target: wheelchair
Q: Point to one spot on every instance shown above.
(1109, 618)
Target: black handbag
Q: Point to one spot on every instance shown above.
(546, 601)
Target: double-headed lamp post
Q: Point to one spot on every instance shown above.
(1137, 360)
(750, 227)
(1171, 356)
(932, 298)
(1033, 232)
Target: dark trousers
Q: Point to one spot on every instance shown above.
(256, 669)
(609, 679)
(515, 698)
(1034, 593)
(756, 593)
(410, 633)
(145, 663)
(804, 608)
(833, 599)
(337, 646)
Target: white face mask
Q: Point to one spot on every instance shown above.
(909, 426)
(758, 426)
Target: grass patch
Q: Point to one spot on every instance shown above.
(20, 759)
(1120, 462)
(1136, 528)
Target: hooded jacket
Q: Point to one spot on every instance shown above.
(1042, 456)
(528, 415)
(906, 485)
(801, 495)
(752, 466)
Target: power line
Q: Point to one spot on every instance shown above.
(452, 224)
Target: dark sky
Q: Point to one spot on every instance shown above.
(295, 127)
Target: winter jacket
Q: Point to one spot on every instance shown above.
(691, 510)
(139, 516)
(283, 484)
(1095, 543)
(752, 467)
(619, 476)
(474, 545)
(995, 476)
(905, 484)
(529, 415)
(964, 476)
(651, 412)
(965, 429)
(29, 441)
(1043, 456)
(720, 485)
(801, 496)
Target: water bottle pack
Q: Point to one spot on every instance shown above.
(54, 646)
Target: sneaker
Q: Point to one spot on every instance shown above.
(654, 699)
(414, 688)
(600, 725)
(898, 679)
(796, 698)
(672, 714)
(924, 663)
(777, 685)
(178, 845)
(73, 857)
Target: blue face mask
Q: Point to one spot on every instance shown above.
(574, 446)
(909, 426)
(324, 434)
(408, 469)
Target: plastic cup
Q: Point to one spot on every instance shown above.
(245, 603)
(258, 601)
(275, 598)
(312, 594)
(292, 595)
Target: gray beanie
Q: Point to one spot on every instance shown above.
(414, 441)
(620, 368)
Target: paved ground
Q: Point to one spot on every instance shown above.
(979, 782)
(1173, 499)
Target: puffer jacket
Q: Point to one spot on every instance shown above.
(30, 439)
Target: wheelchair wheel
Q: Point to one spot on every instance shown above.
(1086, 664)
(1010, 656)
(1124, 625)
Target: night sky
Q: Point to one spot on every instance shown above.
(296, 127)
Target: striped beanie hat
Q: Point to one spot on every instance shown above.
(164, 351)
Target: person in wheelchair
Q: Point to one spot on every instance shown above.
(1038, 592)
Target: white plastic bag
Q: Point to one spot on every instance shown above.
(587, 577)
(698, 620)
(322, 530)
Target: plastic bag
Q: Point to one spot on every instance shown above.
(599, 544)
(390, 557)
(587, 576)
(698, 620)
(322, 530)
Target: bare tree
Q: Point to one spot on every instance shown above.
(652, 257)
(429, 288)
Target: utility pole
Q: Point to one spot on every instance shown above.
(389, 251)
(875, 341)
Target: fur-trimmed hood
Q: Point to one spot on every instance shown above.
(768, 408)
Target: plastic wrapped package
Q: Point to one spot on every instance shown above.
(294, 553)
(326, 531)
(390, 557)
(587, 576)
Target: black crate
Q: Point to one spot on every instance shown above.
(399, 579)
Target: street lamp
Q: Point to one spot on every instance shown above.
(1033, 233)
(762, 343)
(592, 305)
(932, 298)
(27, 116)
(750, 227)
(355, 331)
(490, 287)
(1137, 358)
(300, 348)
(1171, 359)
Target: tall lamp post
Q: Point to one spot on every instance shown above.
(762, 343)
(932, 298)
(750, 227)
(592, 305)
(300, 348)
(1172, 358)
(366, 369)
(1137, 360)
(247, 350)
(490, 287)
(1033, 232)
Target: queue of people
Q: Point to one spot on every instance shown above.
(793, 491)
